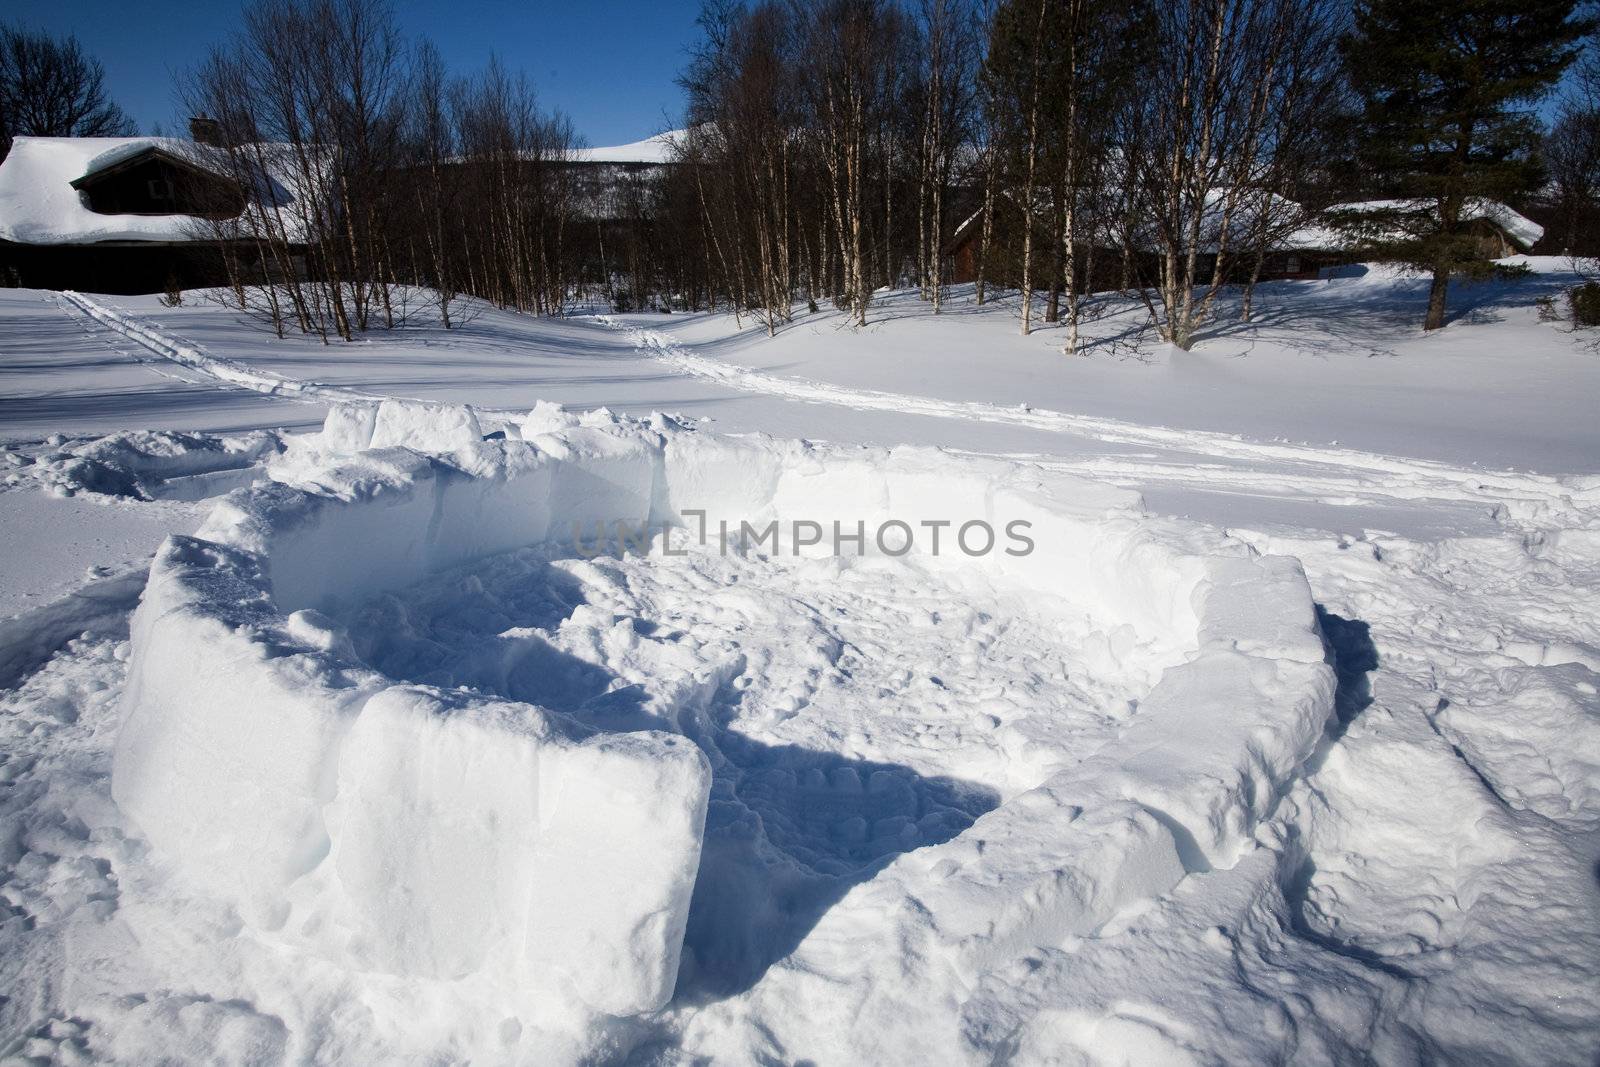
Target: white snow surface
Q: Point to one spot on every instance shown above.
(654, 149)
(385, 766)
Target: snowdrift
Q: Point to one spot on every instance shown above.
(446, 836)
(156, 464)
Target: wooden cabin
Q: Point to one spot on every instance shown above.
(120, 214)
(1308, 252)
(157, 181)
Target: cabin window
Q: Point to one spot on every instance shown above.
(1292, 265)
(160, 189)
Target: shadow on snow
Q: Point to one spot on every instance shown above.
(789, 830)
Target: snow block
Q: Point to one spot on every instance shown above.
(452, 836)
(844, 486)
(481, 837)
(546, 418)
(1038, 869)
(1100, 555)
(1214, 746)
(931, 485)
(506, 508)
(622, 817)
(600, 477)
(227, 727)
(323, 552)
(1258, 605)
(733, 478)
(383, 520)
(437, 428)
(348, 427)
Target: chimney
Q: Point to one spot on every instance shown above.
(205, 131)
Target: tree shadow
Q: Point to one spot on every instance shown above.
(789, 830)
(1357, 315)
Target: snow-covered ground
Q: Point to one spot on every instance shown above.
(1101, 803)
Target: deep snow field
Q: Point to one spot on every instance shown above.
(1282, 745)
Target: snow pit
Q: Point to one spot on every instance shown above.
(386, 708)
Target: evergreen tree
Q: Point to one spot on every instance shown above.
(1447, 88)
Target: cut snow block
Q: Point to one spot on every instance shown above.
(349, 427)
(385, 519)
(1214, 746)
(325, 552)
(731, 478)
(599, 477)
(929, 484)
(1038, 869)
(226, 729)
(1103, 559)
(1260, 606)
(440, 429)
(843, 491)
(622, 819)
(482, 837)
(546, 418)
(492, 512)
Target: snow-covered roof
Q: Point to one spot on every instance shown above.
(1521, 229)
(657, 149)
(40, 206)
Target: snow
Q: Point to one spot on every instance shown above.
(1326, 362)
(1341, 366)
(422, 427)
(39, 206)
(472, 837)
(655, 149)
(106, 595)
(69, 374)
(186, 355)
(1281, 745)
(1524, 231)
(315, 759)
(456, 830)
(147, 465)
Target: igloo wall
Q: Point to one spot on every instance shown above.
(444, 835)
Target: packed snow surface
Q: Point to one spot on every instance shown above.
(392, 755)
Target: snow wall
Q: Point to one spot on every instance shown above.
(445, 835)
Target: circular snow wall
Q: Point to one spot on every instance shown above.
(447, 835)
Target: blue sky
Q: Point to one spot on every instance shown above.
(608, 67)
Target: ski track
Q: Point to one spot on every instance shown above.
(1333, 475)
(195, 358)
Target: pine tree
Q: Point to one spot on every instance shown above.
(1448, 88)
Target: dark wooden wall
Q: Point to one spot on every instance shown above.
(117, 269)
